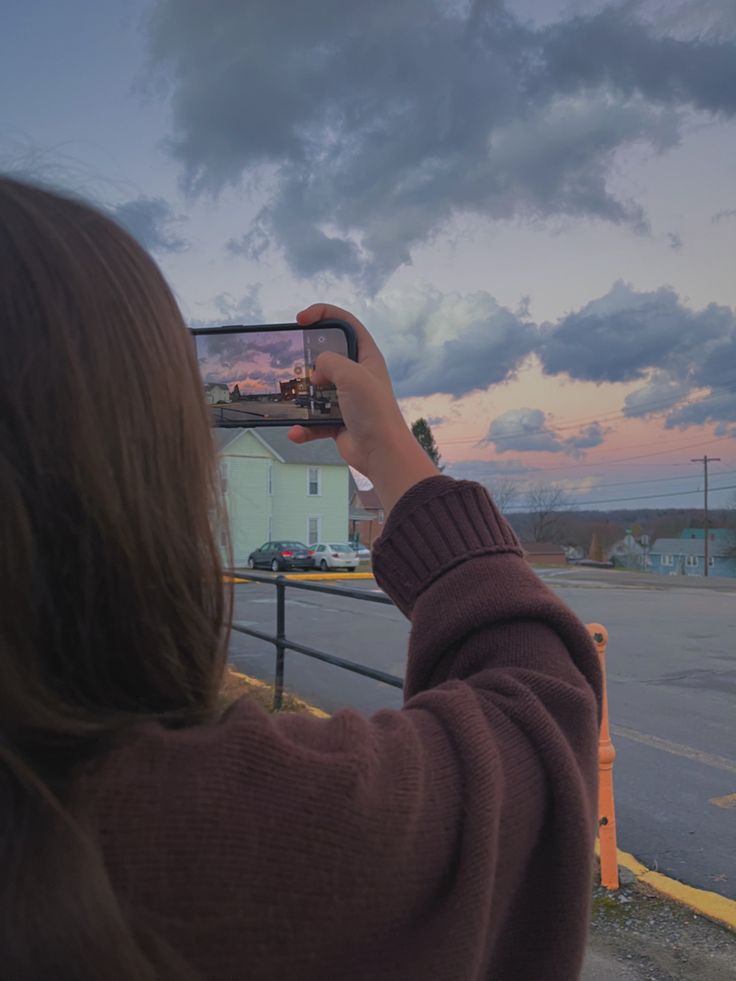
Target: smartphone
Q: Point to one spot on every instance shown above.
(262, 375)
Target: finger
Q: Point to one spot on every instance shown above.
(304, 434)
(335, 369)
(367, 347)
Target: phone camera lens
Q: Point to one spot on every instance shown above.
(321, 339)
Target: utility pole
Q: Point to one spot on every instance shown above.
(705, 460)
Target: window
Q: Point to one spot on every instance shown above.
(692, 560)
(380, 517)
(667, 560)
(313, 530)
(313, 488)
(270, 478)
(224, 468)
(711, 561)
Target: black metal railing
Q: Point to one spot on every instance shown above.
(282, 644)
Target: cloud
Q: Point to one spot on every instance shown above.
(724, 215)
(674, 240)
(486, 471)
(436, 420)
(370, 127)
(528, 431)
(232, 310)
(625, 334)
(152, 222)
(446, 343)
(682, 355)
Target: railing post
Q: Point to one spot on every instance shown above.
(278, 688)
(606, 756)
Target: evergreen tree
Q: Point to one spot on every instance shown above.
(596, 549)
(423, 435)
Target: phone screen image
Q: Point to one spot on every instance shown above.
(255, 376)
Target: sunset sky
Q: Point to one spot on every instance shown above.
(532, 204)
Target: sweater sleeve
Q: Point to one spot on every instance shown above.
(451, 839)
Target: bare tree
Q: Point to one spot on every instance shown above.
(504, 492)
(546, 504)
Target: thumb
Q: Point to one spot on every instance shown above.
(335, 369)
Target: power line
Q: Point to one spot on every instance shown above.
(591, 505)
(577, 423)
(626, 483)
(625, 459)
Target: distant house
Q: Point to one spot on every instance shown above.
(544, 553)
(275, 490)
(215, 392)
(685, 556)
(366, 514)
(628, 553)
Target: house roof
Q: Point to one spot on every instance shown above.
(369, 499)
(687, 546)
(322, 452)
(716, 534)
(542, 548)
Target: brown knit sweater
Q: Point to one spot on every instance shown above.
(449, 841)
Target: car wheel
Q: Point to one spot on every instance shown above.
(275, 566)
(323, 565)
(350, 568)
(251, 564)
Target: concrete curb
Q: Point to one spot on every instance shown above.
(312, 576)
(257, 683)
(710, 904)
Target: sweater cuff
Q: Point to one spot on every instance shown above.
(437, 524)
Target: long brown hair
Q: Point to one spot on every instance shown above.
(111, 597)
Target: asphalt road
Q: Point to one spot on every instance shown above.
(672, 694)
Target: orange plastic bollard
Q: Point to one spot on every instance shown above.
(606, 756)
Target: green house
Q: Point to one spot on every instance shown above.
(277, 490)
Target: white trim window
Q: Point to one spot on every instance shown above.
(314, 528)
(667, 559)
(711, 561)
(692, 561)
(314, 482)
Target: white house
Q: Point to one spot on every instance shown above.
(215, 393)
(275, 490)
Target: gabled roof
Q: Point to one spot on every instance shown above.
(322, 452)
(369, 499)
(687, 546)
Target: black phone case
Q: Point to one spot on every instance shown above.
(352, 346)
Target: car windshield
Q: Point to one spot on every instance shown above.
(292, 545)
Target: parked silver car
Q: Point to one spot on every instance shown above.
(337, 555)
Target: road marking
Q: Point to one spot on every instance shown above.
(726, 802)
(675, 749)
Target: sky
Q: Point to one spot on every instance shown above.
(530, 203)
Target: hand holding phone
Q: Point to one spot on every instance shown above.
(374, 437)
(263, 375)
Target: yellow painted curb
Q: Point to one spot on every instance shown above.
(703, 901)
(234, 579)
(257, 683)
(317, 576)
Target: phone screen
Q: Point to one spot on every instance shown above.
(257, 377)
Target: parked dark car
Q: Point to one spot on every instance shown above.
(281, 555)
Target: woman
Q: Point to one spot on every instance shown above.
(142, 836)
